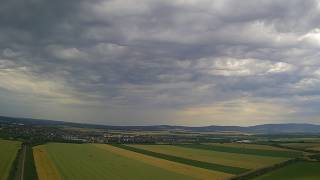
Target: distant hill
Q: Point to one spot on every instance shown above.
(285, 128)
(291, 128)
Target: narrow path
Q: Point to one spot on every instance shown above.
(20, 166)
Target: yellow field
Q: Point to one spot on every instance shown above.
(249, 146)
(229, 159)
(195, 172)
(46, 170)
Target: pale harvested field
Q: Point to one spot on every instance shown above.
(46, 170)
(228, 159)
(191, 171)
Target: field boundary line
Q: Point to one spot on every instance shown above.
(256, 152)
(191, 162)
(14, 165)
(262, 171)
(45, 168)
(192, 171)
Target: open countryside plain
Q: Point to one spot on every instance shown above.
(8, 153)
(249, 146)
(61, 161)
(222, 158)
(315, 146)
(171, 165)
(87, 161)
(248, 151)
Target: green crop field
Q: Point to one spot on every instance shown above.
(191, 162)
(8, 152)
(249, 146)
(227, 159)
(303, 146)
(171, 165)
(86, 161)
(297, 140)
(300, 145)
(29, 169)
(249, 151)
(315, 148)
(296, 171)
(60, 161)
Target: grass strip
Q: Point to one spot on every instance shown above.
(30, 168)
(183, 169)
(14, 166)
(262, 171)
(258, 152)
(200, 164)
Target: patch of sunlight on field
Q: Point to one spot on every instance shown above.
(46, 170)
(229, 159)
(8, 153)
(191, 171)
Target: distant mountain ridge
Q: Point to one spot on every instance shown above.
(288, 128)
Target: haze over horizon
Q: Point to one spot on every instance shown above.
(149, 62)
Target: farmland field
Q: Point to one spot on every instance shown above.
(44, 166)
(8, 152)
(29, 167)
(304, 146)
(248, 151)
(198, 173)
(196, 163)
(89, 161)
(300, 145)
(248, 146)
(295, 140)
(297, 171)
(227, 159)
(315, 148)
(60, 161)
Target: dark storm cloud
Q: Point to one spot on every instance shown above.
(129, 56)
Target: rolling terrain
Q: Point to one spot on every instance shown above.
(290, 128)
(57, 150)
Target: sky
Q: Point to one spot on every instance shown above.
(150, 62)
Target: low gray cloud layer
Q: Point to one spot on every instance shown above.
(161, 62)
